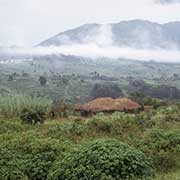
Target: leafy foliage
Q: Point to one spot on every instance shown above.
(28, 157)
(103, 159)
(32, 116)
(46, 150)
(164, 147)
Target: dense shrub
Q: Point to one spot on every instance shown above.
(154, 102)
(100, 125)
(103, 159)
(11, 126)
(171, 113)
(28, 157)
(147, 101)
(36, 166)
(10, 166)
(164, 147)
(145, 120)
(32, 116)
(78, 128)
(116, 124)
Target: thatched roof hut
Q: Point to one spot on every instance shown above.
(108, 105)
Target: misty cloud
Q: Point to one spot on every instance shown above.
(28, 22)
(93, 51)
(103, 38)
(168, 1)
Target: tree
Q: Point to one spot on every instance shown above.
(42, 80)
(138, 97)
(106, 90)
(10, 78)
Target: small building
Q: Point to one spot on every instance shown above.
(108, 105)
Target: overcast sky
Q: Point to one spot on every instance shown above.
(27, 22)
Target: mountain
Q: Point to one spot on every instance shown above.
(134, 33)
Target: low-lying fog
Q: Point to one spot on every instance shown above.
(93, 51)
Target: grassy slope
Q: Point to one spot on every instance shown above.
(151, 73)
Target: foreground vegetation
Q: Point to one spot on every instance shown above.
(116, 146)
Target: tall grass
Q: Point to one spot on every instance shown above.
(12, 105)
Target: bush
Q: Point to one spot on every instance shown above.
(36, 166)
(32, 116)
(164, 147)
(11, 126)
(78, 128)
(10, 166)
(25, 156)
(102, 159)
(100, 125)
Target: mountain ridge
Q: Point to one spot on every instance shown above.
(134, 33)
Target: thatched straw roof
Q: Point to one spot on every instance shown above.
(108, 105)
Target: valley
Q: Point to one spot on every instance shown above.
(72, 78)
